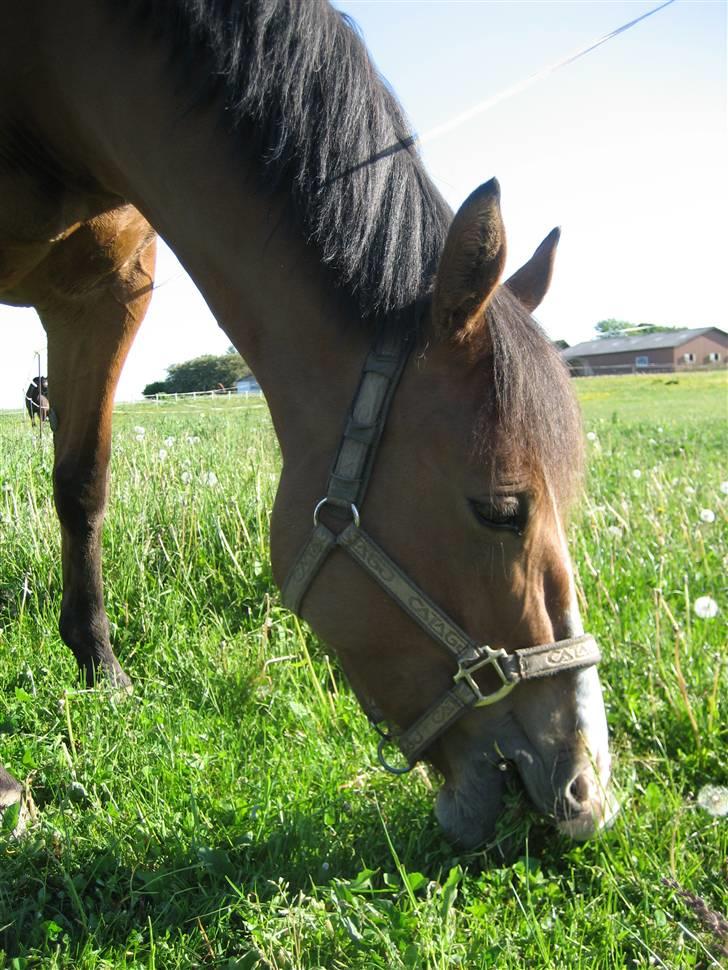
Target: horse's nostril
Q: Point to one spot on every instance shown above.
(580, 791)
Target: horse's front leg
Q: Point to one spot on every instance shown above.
(91, 324)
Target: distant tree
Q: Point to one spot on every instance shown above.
(205, 373)
(623, 328)
(612, 328)
(156, 387)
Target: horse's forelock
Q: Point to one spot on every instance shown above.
(531, 410)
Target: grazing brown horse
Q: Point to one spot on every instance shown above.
(36, 399)
(259, 140)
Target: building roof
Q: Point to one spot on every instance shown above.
(641, 341)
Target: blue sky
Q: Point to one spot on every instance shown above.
(626, 150)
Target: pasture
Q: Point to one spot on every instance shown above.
(231, 813)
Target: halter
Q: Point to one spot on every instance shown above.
(348, 481)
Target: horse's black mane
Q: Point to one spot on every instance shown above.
(296, 86)
(294, 79)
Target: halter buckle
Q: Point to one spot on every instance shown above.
(465, 672)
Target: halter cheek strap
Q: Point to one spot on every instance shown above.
(347, 485)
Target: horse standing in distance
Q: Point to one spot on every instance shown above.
(36, 399)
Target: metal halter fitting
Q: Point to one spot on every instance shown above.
(347, 485)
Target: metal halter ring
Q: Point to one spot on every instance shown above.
(392, 769)
(490, 660)
(325, 501)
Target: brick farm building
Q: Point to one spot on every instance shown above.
(650, 352)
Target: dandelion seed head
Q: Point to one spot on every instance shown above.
(689, 490)
(591, 436)
(162, 454)
(707, 515)
(652, 441)
(705, 607)
(186, 477)
(210, 479)
(138, 429)
(169, 441)
(660, 430)
(714, 799)
(724, 487)
(139, 437)
(615, 531)
(636, 473)
(193, 439)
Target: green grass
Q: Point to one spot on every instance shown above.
(231, 813)
(681, 397)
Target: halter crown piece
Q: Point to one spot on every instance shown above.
(348, 480)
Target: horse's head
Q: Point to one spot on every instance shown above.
(480, 456)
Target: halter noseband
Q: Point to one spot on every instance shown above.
(347, 485)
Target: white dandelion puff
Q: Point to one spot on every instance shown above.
(652, 441)
(660, 430)
(209, 478)
(689, 490)
(138, 429)
(169, 441)
(705, 607)
(707, 515)
(193, 439)
(615, 531)
(714, 799)
(162, 454)
(186, 477)
(724, 487)
(139, 437)
(591, 436)
(636, 473)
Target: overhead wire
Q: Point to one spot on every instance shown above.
(508, 92)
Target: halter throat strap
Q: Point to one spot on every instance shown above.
(347, 484)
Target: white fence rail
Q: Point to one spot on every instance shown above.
(253, 391)
(583, 369)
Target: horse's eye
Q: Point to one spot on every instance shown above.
(502, 512)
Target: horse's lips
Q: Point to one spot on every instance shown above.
(588, 825)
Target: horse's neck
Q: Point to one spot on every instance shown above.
(265, 286)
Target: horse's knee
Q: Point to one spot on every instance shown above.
(80, 495)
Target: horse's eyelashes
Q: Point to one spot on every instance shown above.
(502, 512)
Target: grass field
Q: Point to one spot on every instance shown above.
(231, 813)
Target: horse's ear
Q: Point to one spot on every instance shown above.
(471, 263)
(531, 282)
